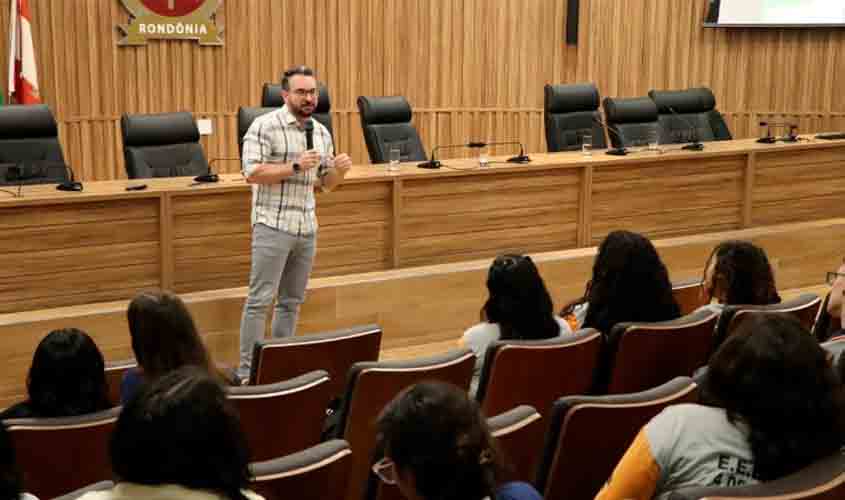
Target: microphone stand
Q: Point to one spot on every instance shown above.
(520, 158)
(434, 163)
(620, 151)
(695, 144)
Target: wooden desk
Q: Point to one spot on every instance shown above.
(105, 243)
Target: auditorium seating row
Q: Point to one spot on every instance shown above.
(294, 380)
(167, 144)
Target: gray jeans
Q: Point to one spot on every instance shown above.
(281, 264)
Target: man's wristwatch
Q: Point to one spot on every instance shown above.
(297, 168)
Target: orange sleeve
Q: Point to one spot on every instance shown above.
(636, 474)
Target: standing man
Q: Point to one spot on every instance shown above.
(286, 155)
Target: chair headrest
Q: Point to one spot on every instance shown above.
(271, 96)
(159, 129)
(379, 110)
(700, 100)
(571, 98)
(324, 103)
(633, 110)
(18, 121)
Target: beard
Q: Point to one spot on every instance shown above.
(301, 111)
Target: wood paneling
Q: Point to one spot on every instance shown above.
(472, 69)
(421, 309)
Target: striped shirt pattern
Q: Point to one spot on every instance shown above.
(288, 206)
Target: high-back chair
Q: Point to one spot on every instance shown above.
(371, 385)
(162, 145)
(645, 355)
(689, 116)
(284, 417)
(587, 435)
(30, 151)
(278, 359)
(537, 372)
(60, 455)
(320, 472)
(569, 113)
(630, 121)
(386, 122)
(114, 377)
(823, 480)
(805, 307)
(247, 115)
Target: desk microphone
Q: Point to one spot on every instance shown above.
(434, 162)
(621, 151)
(72, 184)
(695, 144)
(211, 176)
(520, 158)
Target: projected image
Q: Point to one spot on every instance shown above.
(795, 12)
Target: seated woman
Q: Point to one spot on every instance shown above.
(66, 378)
(629, 283)
(774, 406)
(164, 338)
(438, 447)
(179, 438)
(519, 307)
(738, 272)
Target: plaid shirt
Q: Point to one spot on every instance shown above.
(288, 206)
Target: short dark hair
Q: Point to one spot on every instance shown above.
(629, 283)
(435, 431)
(10, 478)
(519, 301)
(164, 336)
(293, 71)
(181, 430)
(773, 376)
(67, 375)
(742, 271)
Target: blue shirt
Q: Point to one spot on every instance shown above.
(517, 490)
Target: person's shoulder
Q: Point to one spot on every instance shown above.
(269, 118)
(517, 490)
(251, 495)
(683, 417)
(22, 409)
(482, 332)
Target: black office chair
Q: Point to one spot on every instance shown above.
(162, 145)
(386, 122)
(689, 116)
(245, 118)
(30, 152)
(630, 121)
(570, 112)
(271, 97)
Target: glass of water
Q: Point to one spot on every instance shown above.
(394, 157)
(587, 145)
(654, 141)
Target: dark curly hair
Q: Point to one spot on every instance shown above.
(519, 301)
(180, 429)
(741, 275)
(436, 432)
(629, 283)
(772, 376)
(67, 375)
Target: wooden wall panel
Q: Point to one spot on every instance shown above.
(472, 69)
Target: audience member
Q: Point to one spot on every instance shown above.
(10, 478)
(66, 378)
(629, 283)
(437, 447)
(179, 438)
(738, 272)
(774, 406)
(164, 338)
(518, 307)
(829, 323)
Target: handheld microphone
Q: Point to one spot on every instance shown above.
(308, 125)
(695, 144)
(620, 151)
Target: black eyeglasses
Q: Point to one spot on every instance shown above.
(832, 276)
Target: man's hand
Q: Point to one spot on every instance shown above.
(309, 159)
(342, 162)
